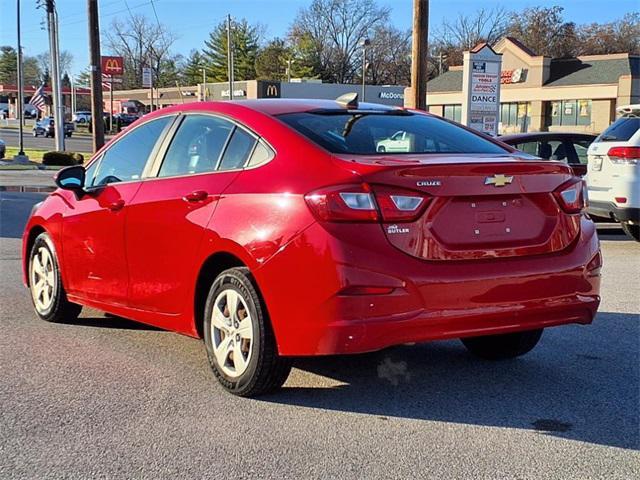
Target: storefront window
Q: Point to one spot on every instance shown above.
(570, 112)
(584, 112)
(453, 112)
(515, 114)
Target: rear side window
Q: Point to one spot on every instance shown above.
(386, 132)
(124, 161)
(238, 150)
(197, 146)
(621, 130)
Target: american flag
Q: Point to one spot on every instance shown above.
(39, 99)
(106, 82)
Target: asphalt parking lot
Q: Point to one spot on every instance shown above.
(109, 398)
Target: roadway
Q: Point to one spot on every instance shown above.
(104, 397)
(77, 143)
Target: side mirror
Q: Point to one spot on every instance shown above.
(71, 178)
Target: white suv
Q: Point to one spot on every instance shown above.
(613, 173)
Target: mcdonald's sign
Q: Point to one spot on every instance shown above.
(112, 65)
(269, 89)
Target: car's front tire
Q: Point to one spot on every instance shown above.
(632, 230)
(45, 283)
(241, 346)
(502, 347)
(382, 149)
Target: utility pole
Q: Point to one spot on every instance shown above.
(20, 90)
(56, 87)
(73, 94)
(364, 43)
(419, 55)
(96, 75)
(230, 57)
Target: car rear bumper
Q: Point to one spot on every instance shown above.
(611, 210)
(322, 310)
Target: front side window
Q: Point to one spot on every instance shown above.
(197, 146)
(124, 161)
(368, 133)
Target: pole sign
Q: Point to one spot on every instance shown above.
(112, 65)
(481, 90)
(147, 77)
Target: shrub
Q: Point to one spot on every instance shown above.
(63, 159)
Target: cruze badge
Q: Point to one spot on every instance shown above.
(498, 180)
(429, 183)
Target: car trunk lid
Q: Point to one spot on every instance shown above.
(476, 206)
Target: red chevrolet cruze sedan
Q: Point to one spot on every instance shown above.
(282, 228)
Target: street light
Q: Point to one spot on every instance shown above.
(289, 62)
(364, 43)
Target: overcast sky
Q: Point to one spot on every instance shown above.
(192, 20)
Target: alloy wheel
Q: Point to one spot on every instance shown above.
(231, 332)
(43, 280)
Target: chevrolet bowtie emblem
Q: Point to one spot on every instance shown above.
(498, 180)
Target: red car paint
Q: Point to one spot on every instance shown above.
(476, 260)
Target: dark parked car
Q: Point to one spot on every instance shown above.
(3, 148)
(125, 119)
(568, 147)
(46, 127)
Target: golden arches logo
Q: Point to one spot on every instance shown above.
(272, 90)
(112, 65)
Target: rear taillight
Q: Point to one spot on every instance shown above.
(398, 205)
(624, 155)
(346, 203)
(366, 203)
(571, 196)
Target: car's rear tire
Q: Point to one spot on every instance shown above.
(502, 347)
(632, 230)
(35, 134)
(45, 283)
(241, 346)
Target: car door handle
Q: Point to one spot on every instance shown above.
(117, 205)
(196, 196)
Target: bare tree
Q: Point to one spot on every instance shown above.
(544, 31)
(466, 31)
(44, 62)
(619, 36)
(389, 57)
(142, 43)
(329, 32)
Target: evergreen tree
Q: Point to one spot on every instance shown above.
(8, 65)
(271, 61)
(192, 69)
(245, 39)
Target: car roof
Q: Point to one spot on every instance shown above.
(544, 136)
(271, 106)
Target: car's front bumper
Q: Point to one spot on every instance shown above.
(318, 313)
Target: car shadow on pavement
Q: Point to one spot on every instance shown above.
(110, 321)
(612, 233)
(576, 384)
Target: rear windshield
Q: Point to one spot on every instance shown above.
(365, 133)
(621, 130)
